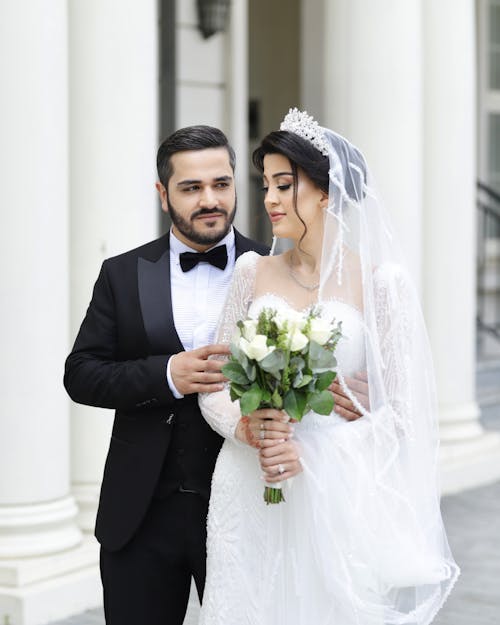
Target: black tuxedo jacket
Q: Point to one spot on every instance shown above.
(119, 361)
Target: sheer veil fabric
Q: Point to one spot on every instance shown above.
(360, 539)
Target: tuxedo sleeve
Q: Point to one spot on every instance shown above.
(96, 375)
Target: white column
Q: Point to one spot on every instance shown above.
(372, 95)
(40, 551)
(113, 139)
(469, 455)
(237, 81)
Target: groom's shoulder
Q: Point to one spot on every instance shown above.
(244, 244)
(150, 251)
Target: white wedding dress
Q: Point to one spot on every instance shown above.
(340, 545)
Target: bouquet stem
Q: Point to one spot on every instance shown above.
(273, 494)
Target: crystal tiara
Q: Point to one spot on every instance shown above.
(302, 124)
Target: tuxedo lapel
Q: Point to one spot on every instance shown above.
(242, 245)
(156, 303)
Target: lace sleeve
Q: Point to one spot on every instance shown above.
(219, 411)
(396, 328)
(404, 350)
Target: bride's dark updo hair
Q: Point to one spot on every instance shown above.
(299, 152)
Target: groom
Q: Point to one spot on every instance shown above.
(143, 350)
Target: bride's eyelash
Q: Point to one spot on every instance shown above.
(280, 187)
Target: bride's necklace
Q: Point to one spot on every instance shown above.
(293, 276)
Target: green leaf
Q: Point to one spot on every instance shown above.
(251, 399)
(297, 362)
(294, 404)
(274, 363)
(302, 380)
(237, 389)
(324, 380)
(266, 396)
(249, 369)
(320, 358)
(235, 372)
(322, 403)
(237, 353)
(277, 400)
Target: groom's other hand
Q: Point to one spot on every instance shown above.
(194, 372)
(358, 385)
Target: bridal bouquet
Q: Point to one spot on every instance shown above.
(283, 361)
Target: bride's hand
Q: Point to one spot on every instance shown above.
(263, 425)
(280, 460)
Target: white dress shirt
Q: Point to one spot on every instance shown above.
(198, 296)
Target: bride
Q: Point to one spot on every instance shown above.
(359, 539)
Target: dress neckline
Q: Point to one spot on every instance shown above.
(287, 302)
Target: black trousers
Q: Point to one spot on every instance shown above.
(148, 581)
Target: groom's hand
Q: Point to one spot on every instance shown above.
(194, 372)
(358, 385)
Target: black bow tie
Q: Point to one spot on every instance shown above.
(216, 257)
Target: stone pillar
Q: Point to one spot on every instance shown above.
(469, 455)
(40, 543)
(237, 81)
(113, 143)
(368, 55)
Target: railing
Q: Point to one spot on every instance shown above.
(488, 270)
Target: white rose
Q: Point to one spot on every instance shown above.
(298, 341)
(257, 348)
(290, 321)
(320, 330)
(249, 329)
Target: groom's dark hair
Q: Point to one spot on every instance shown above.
(190, 138)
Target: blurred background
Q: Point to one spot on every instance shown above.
(89, 88)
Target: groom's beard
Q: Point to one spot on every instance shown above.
(187, 227)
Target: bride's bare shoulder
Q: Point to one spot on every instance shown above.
(268, 271)
(271, 263)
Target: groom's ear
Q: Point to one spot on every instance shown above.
(162, 192)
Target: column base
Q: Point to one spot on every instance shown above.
(29, 530)
(470, 463)
(38, 591)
